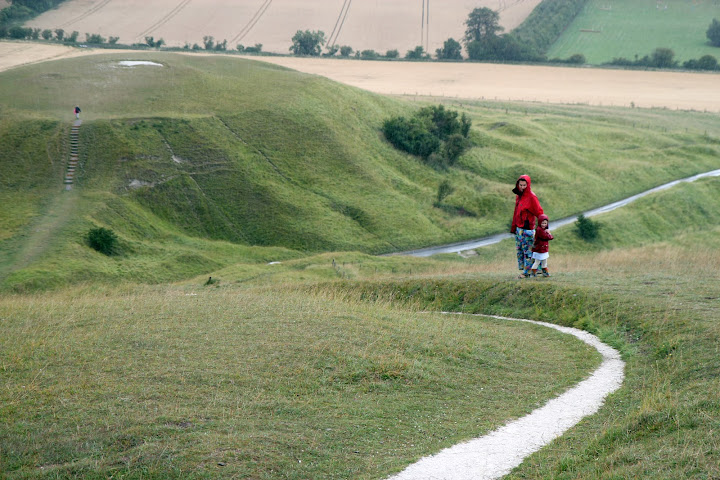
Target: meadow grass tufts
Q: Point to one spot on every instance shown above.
(269, 383)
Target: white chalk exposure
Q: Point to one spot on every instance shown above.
(134, 63)
(497, 453)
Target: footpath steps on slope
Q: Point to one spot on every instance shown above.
(72, 165)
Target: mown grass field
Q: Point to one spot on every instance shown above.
(607, 29)
(301, 360)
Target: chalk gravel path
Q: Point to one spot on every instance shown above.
(497, 453)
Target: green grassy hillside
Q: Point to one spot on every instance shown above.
(647, 286)
(328, 364)
(348, 380)
(207, 161)
(607, 29)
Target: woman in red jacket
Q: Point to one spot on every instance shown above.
(527, 207)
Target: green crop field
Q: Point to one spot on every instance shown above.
(246, 328)
(607, 29)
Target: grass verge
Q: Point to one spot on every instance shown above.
(212, 382)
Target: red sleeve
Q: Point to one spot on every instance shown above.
(535, 207)
(543, 234)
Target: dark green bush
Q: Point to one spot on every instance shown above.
(452, 50)
(586, 228)
(444, 189)
(307, 42)
(433, 132)
(417, 54)
(706, 62)
(411, 135)
(256, 49)
(19, 33)
(454, 146)
(575, 59)
(369, 54)
(103, 240)
(94, 38)
(660, 58)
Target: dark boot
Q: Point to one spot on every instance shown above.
(545, 272)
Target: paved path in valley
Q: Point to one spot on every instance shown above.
(483, 242)
(497, 453)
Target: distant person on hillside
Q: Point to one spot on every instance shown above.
(77, 112)
(527, 207)
(541, 248)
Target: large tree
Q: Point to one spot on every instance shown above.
(482, 24)
(307, 43)
(713, 33)
(452, 50)
(663, 58)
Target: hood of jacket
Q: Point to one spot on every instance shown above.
(516, 190)
(541, 218)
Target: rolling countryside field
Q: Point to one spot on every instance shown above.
(610, 29)
(247, 322)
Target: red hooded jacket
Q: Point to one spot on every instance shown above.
(527, 207)
(542, 236)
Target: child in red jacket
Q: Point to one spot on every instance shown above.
(541, 247)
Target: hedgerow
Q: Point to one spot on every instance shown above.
(545, 24)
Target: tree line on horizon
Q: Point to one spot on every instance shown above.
(483, 39)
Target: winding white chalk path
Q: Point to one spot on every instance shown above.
(497, 453)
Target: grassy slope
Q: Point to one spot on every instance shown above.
(232, 155)
(648, 286)
(638, 27)
(397, 381)
(164, 382)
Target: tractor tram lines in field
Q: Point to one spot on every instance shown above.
(86, 14)
(164, 19)
(252, 22)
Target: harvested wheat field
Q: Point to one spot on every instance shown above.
(379, 25)
(592, 86)
(14, 54)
